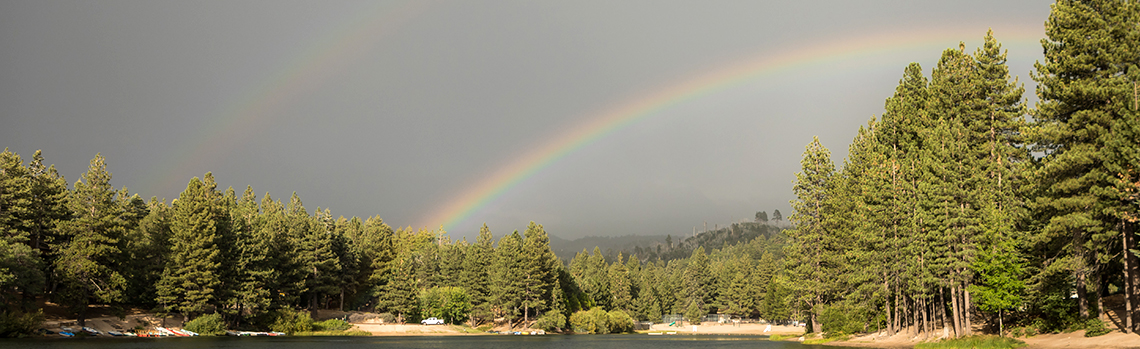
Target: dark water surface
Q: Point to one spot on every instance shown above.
(627, 341)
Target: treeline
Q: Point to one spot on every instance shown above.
(254, 261)
(955, 205)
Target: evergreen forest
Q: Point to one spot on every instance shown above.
(959, 205)
(962, 205)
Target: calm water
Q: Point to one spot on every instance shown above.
(628, 341)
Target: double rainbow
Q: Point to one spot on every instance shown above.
(609, 121)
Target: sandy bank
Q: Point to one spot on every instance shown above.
(1077, 339)
(412, 330)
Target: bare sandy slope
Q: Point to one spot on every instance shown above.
(411, 330)
(1077, 339)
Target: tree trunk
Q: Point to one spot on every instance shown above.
(1001, 324)
(969, 326)
(1082, 294)
(954, 308)
(815, 326)
(942, 309)
(890, 319)
(896, 328)
(925, 318)
(81, 317)
(1129, 276)
(1100, 289)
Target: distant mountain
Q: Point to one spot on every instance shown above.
(665, 247)
(566, 249)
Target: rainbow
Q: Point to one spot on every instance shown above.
(764, 65)
(311, 68)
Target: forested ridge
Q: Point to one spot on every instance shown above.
(961, 205)
(255, 260)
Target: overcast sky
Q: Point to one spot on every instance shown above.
(394, 109)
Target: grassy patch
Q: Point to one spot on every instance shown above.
(826, 340)
(974, 342)
(780, 337)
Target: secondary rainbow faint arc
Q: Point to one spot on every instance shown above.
(307, 70)
(470, 201)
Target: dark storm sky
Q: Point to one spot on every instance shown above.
(395, 108)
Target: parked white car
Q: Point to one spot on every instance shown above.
(432, 321)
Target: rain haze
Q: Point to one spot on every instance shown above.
(595, 118)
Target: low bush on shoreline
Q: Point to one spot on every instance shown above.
(17, 324)
(207, 325)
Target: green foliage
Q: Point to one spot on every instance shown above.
(595, 320)
(208, 325)
(292, 321)
(88, 250)
(15, 324)
(452, 304)
(974, 342)
(551, 321)
(694, 314)
(619, 322)
(827, 339)
(192, 277)
(331, 325)
(841, 319)
(1095, 327)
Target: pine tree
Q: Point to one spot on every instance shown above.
(146, 248)
(399, 294)
(805, 242)
(47, 205)
(190, 282)
(620, 286)
(476, 275)
(507, 288)
(21, 266)
(89, 244)
(537, 270)
(253, 264)
(697, 282)
(1081, 85)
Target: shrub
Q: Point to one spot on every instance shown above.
(16, 324)
(449, 303)
(619, 321)
(207, 325)
(842, 319)
(599, 321)
(1095, 327)
(550, 321)
(594, 320)
(331, 325)
(387, 318)
(292, 321)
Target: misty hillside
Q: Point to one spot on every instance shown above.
(565, 249)
(665, 247)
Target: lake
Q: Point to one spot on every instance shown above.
(627, 341)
